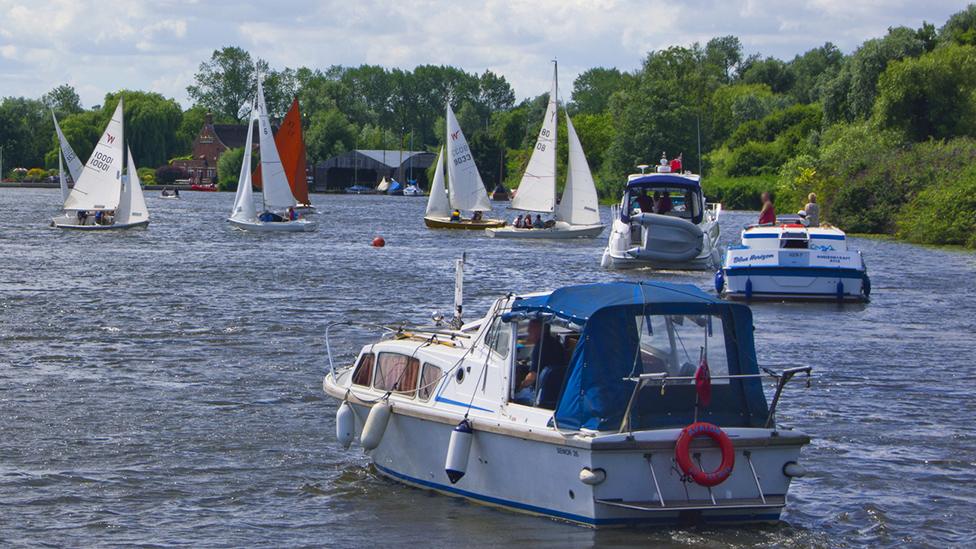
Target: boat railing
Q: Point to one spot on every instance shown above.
(782, 377)
(398, 331)
(328, 334)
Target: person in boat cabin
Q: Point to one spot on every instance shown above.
(768, 213)
(645, 203)
(663, 204)
(518, 222)
(676, 164)
(547, 360)
(456, 215)
(812, 210)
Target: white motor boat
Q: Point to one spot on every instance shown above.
(168, 194)
(676, 229)
(579, 404)
(279, 202)
(103, 198)
(412, 189)
(790, 261)
(577, 215)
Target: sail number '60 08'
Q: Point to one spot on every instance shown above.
(101, 161)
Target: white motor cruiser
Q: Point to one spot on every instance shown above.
(587, 404)
(103, 198)
(663, 222)
(279, 201)
(790, 261)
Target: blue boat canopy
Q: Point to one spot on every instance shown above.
(658, 180)
(597, 386)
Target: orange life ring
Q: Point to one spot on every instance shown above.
(689, 468)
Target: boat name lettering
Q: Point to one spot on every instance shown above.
(753, 257)
(101, 161)
(567, 452)
(831, 258)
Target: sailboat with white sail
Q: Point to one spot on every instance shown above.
(465, 190)
(279, 214)
(577, 215)
(74, 165)
(102, 198)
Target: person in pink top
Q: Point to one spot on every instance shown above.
(768, 214)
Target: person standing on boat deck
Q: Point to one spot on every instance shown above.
(676, 164)
(813, 210)
(768, 214)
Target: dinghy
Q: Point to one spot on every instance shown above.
(170, 194)
(677, 229)
(412, 189)
(577, 215)
(278, 199)
(579, 404)
(465, 188)
(290, 144)
(790, 261)
(102, 198)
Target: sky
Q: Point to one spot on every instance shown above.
(158, 45)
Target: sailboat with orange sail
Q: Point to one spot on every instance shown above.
(291, 148)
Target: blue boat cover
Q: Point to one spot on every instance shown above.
(596, 390)
(653, 180)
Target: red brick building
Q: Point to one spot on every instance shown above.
(210, 143)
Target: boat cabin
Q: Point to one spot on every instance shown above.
(791, 234)
(675, 195)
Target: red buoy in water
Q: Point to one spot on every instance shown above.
(378, 242)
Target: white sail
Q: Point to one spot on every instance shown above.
(537, 190)
(132, 205)
(62, 179)
(384, 185)
(74, 165)
(579, 204)
(100, 183)
(465, 188)
(274, 182)
(243, 200)
(438, 203)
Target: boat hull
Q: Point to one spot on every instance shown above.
(794, 274)
(70, 222)
(297, 226)
(533, 475)
(557, 232)
(466, 224)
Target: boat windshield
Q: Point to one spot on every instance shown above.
(674, 201)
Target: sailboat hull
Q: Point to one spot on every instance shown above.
(71, 222)
(297, 226)
(446, 223)
(561, 231)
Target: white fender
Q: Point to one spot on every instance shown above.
(458, 451)
(375, 425)
(345, 424)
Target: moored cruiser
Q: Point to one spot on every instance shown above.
(584, 404)
(790, 261)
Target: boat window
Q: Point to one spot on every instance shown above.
(397, 373)
(677, 344)
(499, 337)
(429, 380)
(682, 202)
(364, 370)
(543, 351)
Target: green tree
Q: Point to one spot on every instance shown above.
(933, 96)
(63, 100)
(229, 168)
(724, 52)
(329, 133)
(592, 89)
(769, 71)
(812, 70)
(151, 125)
(25, 130)
(960, 28)
(226, 84)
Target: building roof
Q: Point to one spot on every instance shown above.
(231, 135)
(377, 160)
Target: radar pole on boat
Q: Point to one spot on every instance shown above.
(458, 291)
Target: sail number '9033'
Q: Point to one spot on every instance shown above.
(462, 154)
(101, 161)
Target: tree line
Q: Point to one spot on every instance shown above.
(760, 123)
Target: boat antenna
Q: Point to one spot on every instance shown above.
(456, 322)
(698, 131)
(642, 168)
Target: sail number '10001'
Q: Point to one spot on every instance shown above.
(101, 161)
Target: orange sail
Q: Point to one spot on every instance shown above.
(291, 149)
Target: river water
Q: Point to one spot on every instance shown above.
(163, 387)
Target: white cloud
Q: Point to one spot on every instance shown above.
(144, 44)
